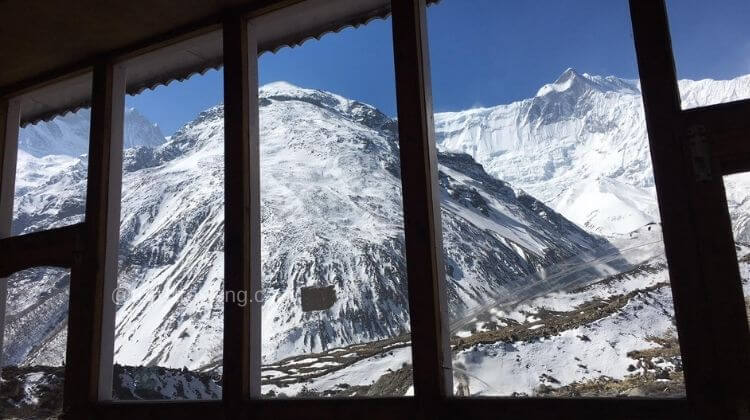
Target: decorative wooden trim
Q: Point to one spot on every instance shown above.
(708, 300)
(312, 19)
(10, 114)
(344, 15)
(421, 197)
(44, 104)
(241, 234)
(88, 370)
(54, 247)
(250, 9)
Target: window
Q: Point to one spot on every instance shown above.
(35, 337)
(335, 302)
(51, 173)
(555, 270)
(557, 282)
(711, 46)
(49, 192)
(169, 296)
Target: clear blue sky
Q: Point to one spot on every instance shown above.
(483, 53)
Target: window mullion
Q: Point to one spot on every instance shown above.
(10, 111)
(91, 317)
(253, 163)
(424, 261)
(241, 379)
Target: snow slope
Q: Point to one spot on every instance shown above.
(589, 351)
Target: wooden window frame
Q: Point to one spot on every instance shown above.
(708, 298)
(10, 113)
(691, 150)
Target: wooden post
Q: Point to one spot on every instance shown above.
(10, 112)
(242, 346)
(421, 196)
(253, 163)
(88, 370)
(708, 301)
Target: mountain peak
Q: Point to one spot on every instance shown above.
(569, 74)
(569, 80)
(576, 83)
(279, 87)
(285, 89)
(351, 109)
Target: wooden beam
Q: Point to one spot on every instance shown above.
(327, 408)
(406, 408)
(733, 114)
(566, 408)
(242, 346)
(708, 300)
(10, 114)
(54, 247)
(421, 197)
(88, 370)
(727, 130)
(158, 410)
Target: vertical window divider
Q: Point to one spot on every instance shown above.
(10, 113)
(242, 323)
(708, 301)
(256, 286)
(421, 197)
(89, 355)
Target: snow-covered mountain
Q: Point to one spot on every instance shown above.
(579, 145)
(512, 178)
(63, 135)
(345, 228)
(331, 216)
(52, 165)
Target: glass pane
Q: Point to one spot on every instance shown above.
(51, 173)
(711, 44)
(335, 308)
(557, 282)
(35, 337)
(738, 199)
(169, 321)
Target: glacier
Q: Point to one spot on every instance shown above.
(580, 145)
